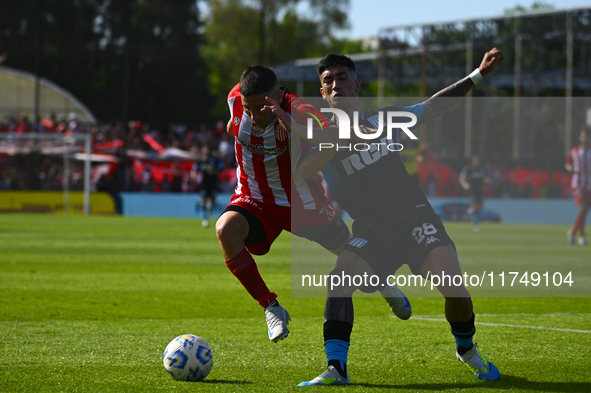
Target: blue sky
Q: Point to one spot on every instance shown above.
(367, 16)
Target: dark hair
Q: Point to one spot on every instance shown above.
(333, 60)
(257, 80)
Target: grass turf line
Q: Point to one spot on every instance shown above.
(90, 303)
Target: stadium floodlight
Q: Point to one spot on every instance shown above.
(47, 162)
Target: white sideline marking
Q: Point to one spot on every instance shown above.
(506, 325)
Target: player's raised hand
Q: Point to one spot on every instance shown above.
(490, 59)
(283, 117)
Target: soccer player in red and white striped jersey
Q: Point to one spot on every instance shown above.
(271, 195)
(267, 155)
(579, 162)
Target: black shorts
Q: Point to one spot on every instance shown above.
(208, 192)
(476, 196)
(408, 242)
(259, 240)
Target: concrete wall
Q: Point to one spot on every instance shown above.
(142, 204)
(524, 211)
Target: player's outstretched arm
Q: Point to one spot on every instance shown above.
(447, 98)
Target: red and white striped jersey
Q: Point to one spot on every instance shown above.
(267, 158)
(580, 159)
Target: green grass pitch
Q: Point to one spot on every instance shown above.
(88, 304)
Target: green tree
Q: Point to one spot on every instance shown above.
(245, 32)
(536, 6)
(105, 51)
(161, 39)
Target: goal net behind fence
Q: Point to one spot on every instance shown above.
(46, 162)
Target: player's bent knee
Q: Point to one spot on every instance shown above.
(221, 230)
(340, 283)
(231, 228)
(442, 260)
(341, 270)
(348, 275)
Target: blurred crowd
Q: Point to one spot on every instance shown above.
(139, 157)
(502, 182)
(161, 159)
(136, 157)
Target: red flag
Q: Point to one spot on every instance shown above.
(153, 144)
(108, 145)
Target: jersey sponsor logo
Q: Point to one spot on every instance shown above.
(257, 131)
(361, 159)
(358, 242)
(236, 120)
(261, 149)
(245, 199)
(280, 132)
(430, 240)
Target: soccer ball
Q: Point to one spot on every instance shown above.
(188, 358)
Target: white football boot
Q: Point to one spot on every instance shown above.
(277, 321)
(330, 377)
(479, 365)
(397, 301)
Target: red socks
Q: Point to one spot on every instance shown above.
(245, 269)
